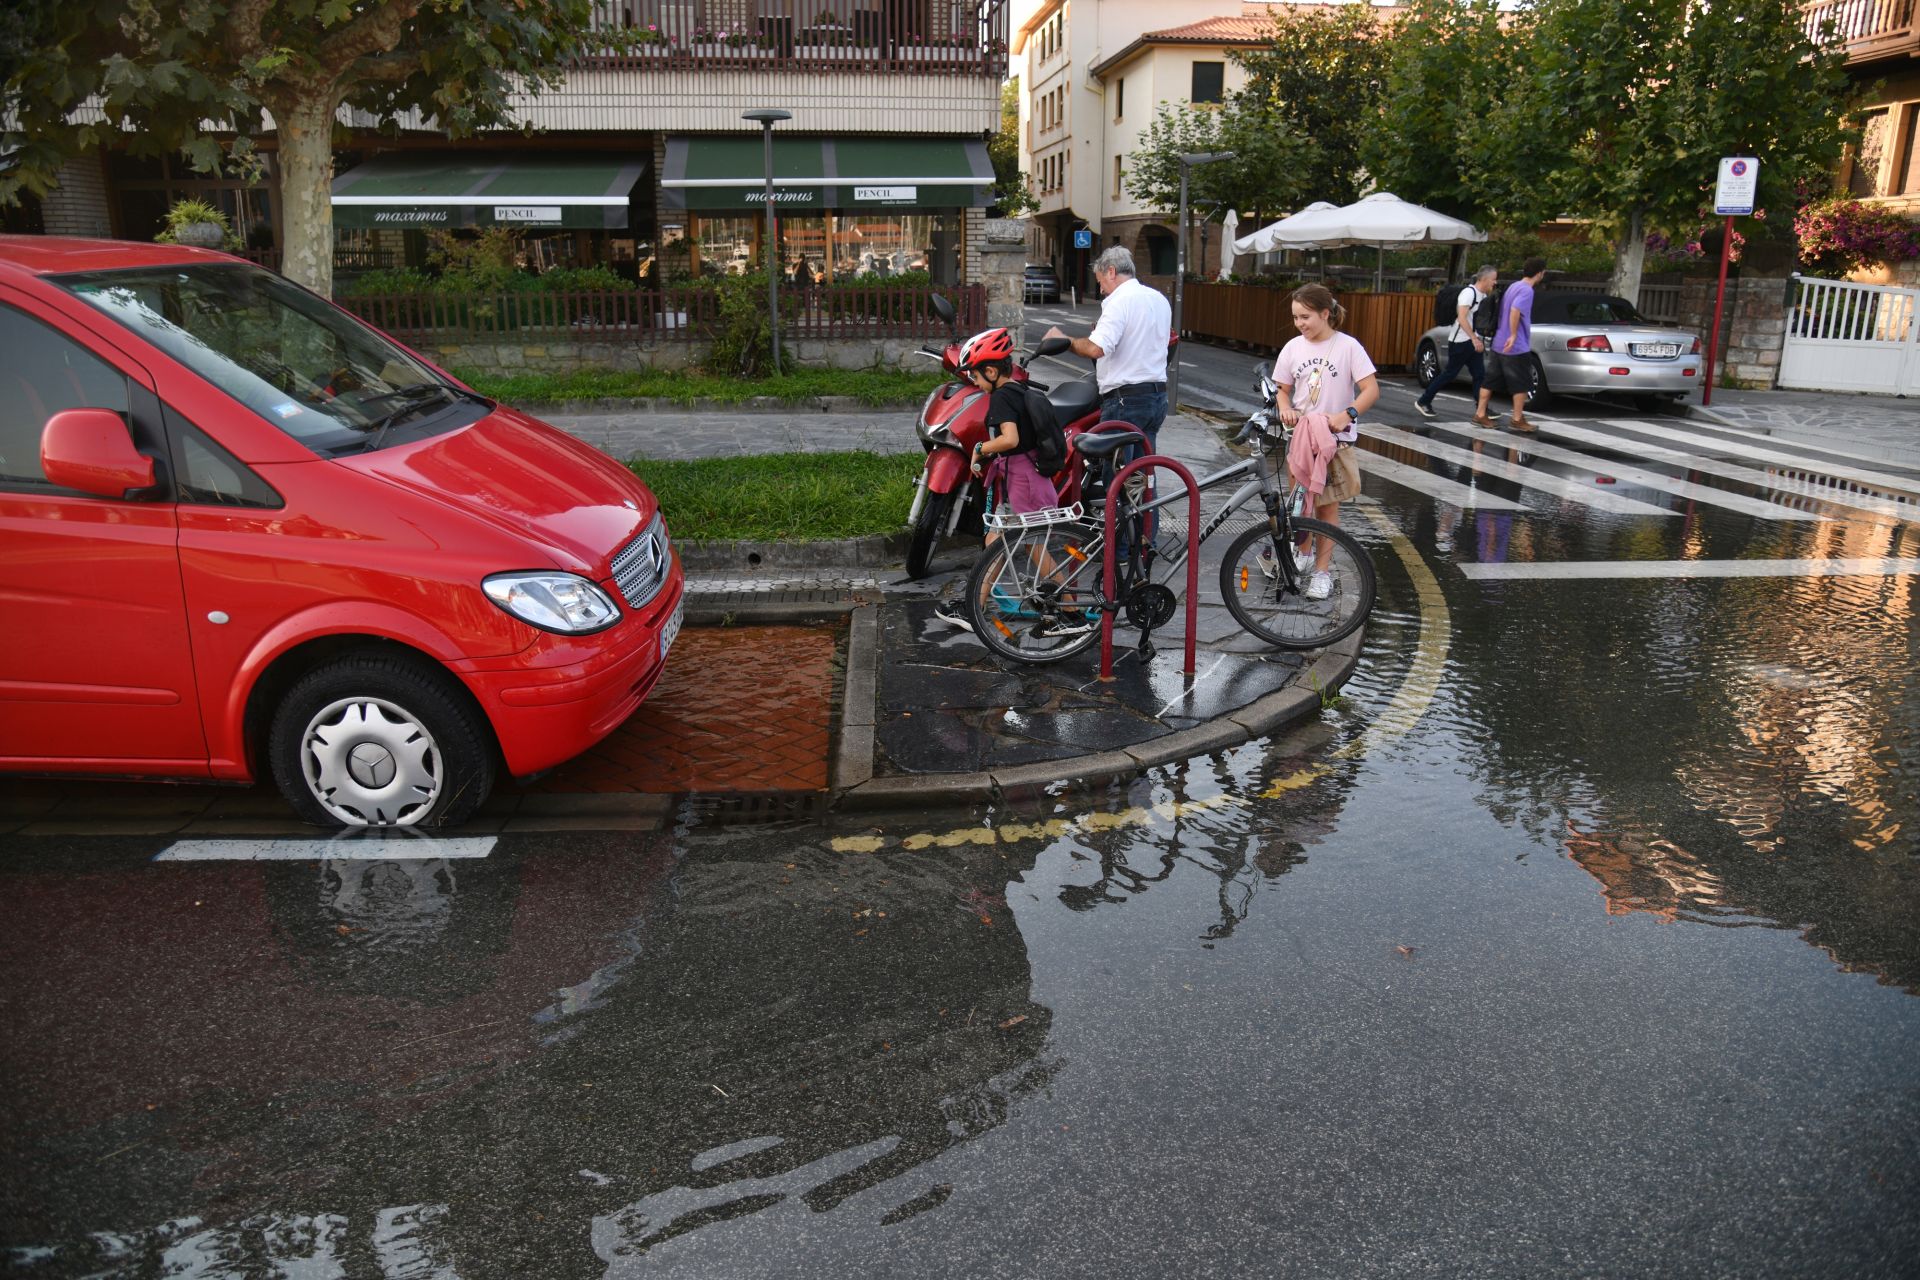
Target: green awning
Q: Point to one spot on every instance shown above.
(583, 189)
(729, 172)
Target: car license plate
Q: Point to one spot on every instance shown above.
(1655, 350)
(671, 632)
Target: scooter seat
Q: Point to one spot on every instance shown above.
(1098, 444)
(1074, 400)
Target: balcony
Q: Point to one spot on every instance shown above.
(1869, 29)
(917, 37)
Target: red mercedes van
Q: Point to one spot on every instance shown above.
(242, 533)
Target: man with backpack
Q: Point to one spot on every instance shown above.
(1474, 322)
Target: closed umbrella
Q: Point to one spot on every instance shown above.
(1228, 225)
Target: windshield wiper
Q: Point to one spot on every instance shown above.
(412, 399)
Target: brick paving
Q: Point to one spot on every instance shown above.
(739, 709)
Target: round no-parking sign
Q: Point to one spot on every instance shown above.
(1739, 178)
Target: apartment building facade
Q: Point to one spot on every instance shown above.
(1882, 42)
(644, 154)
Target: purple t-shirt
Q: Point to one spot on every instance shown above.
(1519, 294)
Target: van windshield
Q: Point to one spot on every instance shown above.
(314, 372)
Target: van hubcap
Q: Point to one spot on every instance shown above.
(370, 762)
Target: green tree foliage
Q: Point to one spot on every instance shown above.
(200, 77)
(1617, 111)
(1010, 195)
(1321, 75)
(1263, 177)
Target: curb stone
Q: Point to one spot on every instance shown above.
(754, 404)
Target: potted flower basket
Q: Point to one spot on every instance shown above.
(197, 223)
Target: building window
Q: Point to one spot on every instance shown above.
(1120, 99)
(1119, 175)
(1865, 178)
(1209, 81)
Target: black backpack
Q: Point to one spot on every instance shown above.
(1486, 316)
(1049, 441)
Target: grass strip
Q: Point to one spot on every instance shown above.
(794, 497)
(876, 387)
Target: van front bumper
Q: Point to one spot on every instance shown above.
(561, 695)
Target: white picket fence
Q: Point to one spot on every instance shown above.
(1843, 336)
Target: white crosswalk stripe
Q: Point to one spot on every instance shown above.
(1566, 570)
(1529, 477)
(1460, 495)
(1878, 480)
(1652, 480)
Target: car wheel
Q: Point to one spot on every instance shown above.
(374, 739)
(1426, 362)
(1538, 395)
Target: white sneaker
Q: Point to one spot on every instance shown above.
(1320, 586)
(1302, 562)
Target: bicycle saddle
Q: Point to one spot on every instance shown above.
(1074, 400)
(1098, 444)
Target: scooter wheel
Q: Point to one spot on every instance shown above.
(926, 533)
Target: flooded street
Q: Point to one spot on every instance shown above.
(1579, 936)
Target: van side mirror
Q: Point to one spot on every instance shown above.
(90, 450)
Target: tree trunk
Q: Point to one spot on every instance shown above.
(306, 192)
(1630, 254)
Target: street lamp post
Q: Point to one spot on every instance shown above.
(1187, 162)
(766, 118)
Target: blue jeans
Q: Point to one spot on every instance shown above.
(1145, 411)
(1460, 355)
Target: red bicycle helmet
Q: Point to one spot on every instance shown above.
(985, 347)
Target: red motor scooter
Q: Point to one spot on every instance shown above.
(954, 419)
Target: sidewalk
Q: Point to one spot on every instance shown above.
(1885, 429)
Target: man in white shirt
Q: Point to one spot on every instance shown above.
(1128, 345)
(1464, 346)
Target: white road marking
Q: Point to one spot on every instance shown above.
(1726, 470)
(1651, 479)
(1527, 476)
(1451, 491)
(1864, 566)
(1798, 461)
(344, 848)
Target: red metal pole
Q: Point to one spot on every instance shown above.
(1719, 299)
(1110, 569)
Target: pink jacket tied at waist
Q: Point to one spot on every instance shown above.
(1310, 453)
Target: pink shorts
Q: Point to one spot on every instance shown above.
(1022, 488)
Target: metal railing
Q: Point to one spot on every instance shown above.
(1859, 22)
(953, 37)
(686, 313)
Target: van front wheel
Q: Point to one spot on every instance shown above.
(378, 740)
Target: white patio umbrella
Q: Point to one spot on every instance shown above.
(1382, 220)
(1283, 234)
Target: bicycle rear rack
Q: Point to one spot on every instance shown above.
(1115, 490)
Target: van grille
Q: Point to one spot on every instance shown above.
(641, 566)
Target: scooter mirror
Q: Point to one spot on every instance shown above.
(1052, 347)
(944, 309)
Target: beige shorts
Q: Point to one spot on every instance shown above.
(1343, 478)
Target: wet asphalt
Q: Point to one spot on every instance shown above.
(1580, 937)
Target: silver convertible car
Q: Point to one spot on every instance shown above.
(1588, 344)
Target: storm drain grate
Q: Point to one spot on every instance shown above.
(750, 809)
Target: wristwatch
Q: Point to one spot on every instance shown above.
(1353, 414)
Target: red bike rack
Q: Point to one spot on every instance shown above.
(1145, 463)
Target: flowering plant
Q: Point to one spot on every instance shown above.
(1839, 236)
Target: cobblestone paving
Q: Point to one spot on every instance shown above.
(739, 709)
(675, 436)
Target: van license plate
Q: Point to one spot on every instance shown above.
(671, 632)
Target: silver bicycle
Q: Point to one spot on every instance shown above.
(1035, 594)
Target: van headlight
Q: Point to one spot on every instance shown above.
(563, 602)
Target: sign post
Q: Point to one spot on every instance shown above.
(1732, 197)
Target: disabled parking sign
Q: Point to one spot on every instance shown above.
(1083, 239)
(1733, 193)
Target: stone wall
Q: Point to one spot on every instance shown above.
(1753, 324)
(998, 259)
(78, 205)
(571, 355)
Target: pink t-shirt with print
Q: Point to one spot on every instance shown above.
(1323, 374)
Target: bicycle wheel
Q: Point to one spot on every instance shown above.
(1257, 594)
(1036, 599)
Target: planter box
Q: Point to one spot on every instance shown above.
(834, 52)
(724, 52)
(954, 55)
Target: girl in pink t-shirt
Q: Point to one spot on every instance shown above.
(1326, 371)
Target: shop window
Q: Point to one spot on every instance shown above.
(1163, 253)
(1209, 81)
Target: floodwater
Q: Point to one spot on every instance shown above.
(1581, 938)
